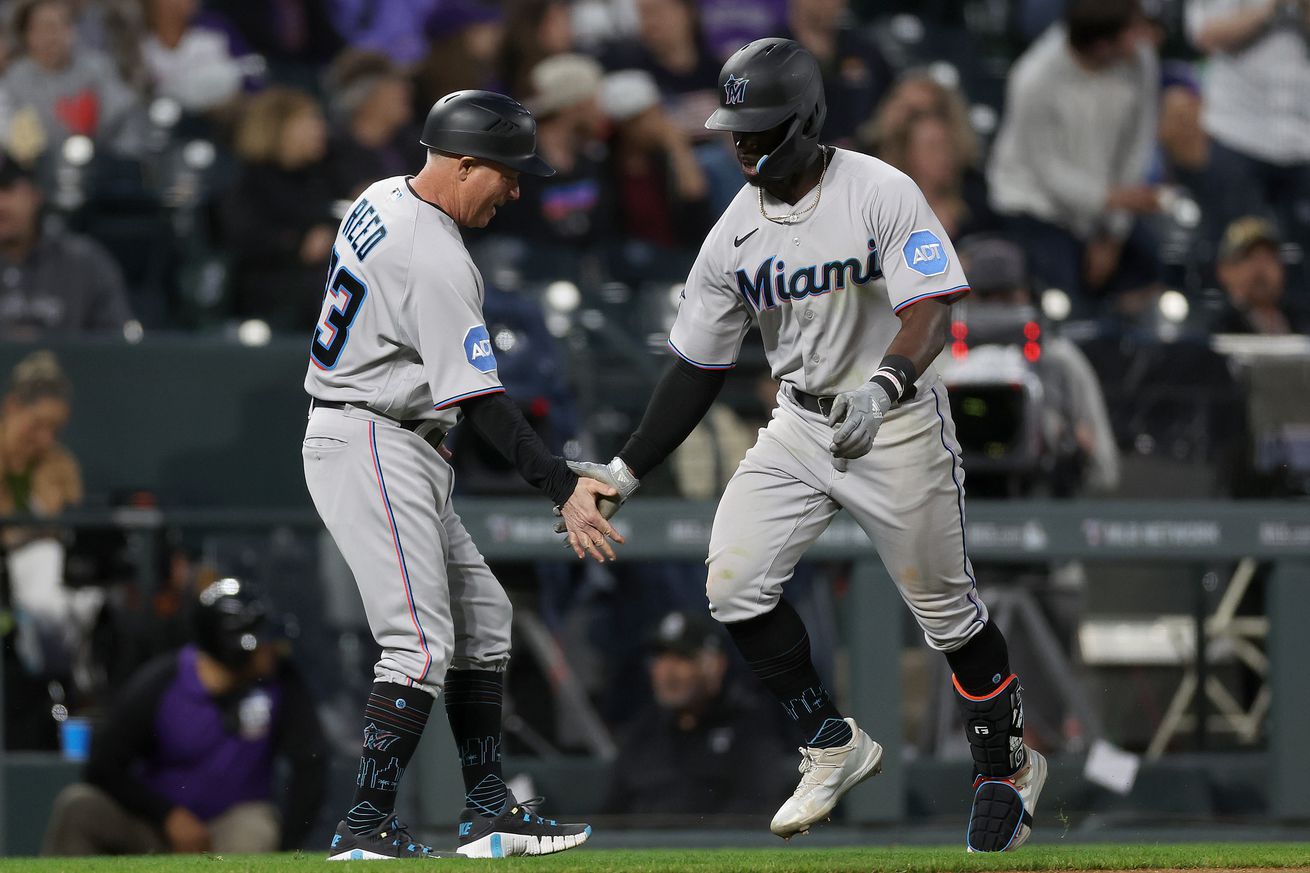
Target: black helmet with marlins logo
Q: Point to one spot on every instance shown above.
(487, 125)
(768, 83)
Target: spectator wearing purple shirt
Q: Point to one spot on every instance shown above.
(392, 27)
(730, 24)
(185, 761)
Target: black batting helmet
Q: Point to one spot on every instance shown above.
(231, 622)
(767, 83)
(484, 124)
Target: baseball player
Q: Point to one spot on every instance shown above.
(837, 259)
(400, 354)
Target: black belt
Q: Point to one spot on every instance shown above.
(434, 437)
(813, 402)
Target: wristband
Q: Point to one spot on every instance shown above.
(897, 375)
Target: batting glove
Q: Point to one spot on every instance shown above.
(615, 474)
(860, 414)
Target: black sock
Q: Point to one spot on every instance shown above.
(394, 717)
(777, 647)
(473, 705)
(983, 663)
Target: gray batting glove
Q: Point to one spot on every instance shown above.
(615, 474)
(860, 414)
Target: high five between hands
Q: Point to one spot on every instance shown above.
(602, 488)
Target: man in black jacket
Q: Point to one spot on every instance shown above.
(185, 762)
(702, 747)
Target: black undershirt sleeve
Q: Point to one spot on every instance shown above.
(681, 399)
(127, 737)
(501, 423)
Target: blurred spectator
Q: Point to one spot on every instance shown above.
(571, 208)
(185, 761)
(115, 27)
(57, 88)
(464, 44)
(190, 58)
(930, 149)
(855, 74)
(1074, 421)
(278, 214)
(52, 281)
(707, 459)
(1184, 146)
(671, 48)
(919, 92)
(661, 189)
(296, 37)
(373, 131)
(1257, 109)
(396, 28)
(700, 747)
(39, 477)
(731, 24)
(534, 31)
(1253, 277)
(1071, 157)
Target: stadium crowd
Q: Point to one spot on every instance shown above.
(181, 165)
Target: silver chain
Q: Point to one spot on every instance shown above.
(793, 217)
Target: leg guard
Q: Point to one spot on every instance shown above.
(1008, 776)
(994, 725)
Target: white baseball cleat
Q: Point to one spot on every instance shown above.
(1003, 809)
(826, 776)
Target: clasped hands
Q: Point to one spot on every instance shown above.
(601, 490)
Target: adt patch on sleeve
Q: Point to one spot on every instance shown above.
(925, 254)
(477, 348)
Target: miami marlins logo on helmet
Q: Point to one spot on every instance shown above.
(734, 90)
(381, 740)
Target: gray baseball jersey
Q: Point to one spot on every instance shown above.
(401, 336)
(825, 291)
(401, 330)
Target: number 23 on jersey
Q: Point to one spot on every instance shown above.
(341, 301)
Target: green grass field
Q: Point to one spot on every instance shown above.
(1199, 856)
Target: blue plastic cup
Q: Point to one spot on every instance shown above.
(75, 738)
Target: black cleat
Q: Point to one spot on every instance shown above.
(390, 842)
(516, 831)
(1002, 816)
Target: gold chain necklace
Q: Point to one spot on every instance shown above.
(793, 217)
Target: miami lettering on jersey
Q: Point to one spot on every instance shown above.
(772, 285)
(924, 254)
(477, 348)
(363, 228)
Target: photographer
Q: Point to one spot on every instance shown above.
(1074, 432)
(185, 761)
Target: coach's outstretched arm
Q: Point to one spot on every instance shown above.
(502, 424)
(680, 400)
(858, 414)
